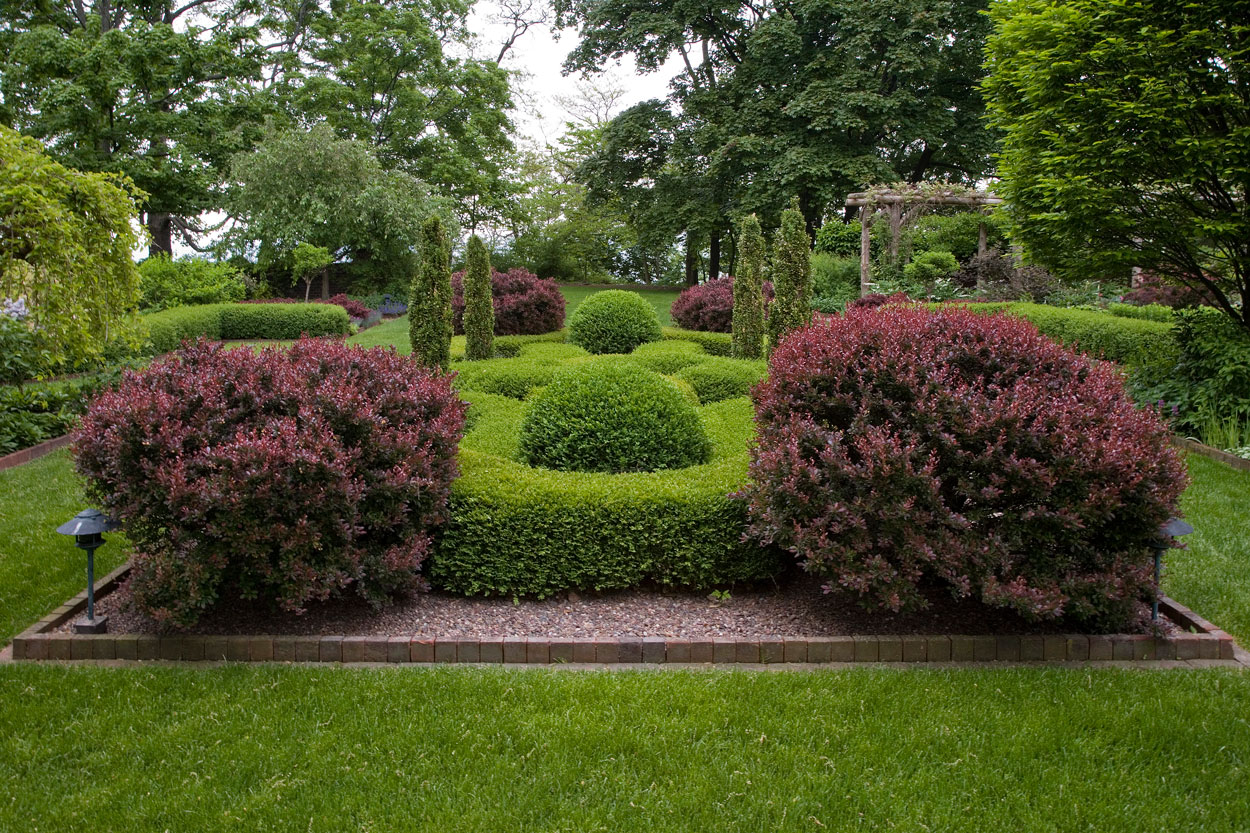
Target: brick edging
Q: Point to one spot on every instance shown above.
(34, 452)
(1212, 452)
(1205, 642)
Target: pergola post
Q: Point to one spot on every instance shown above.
(865, 241)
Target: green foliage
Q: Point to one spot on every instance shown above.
(22, 355)
(246, 322)
(927, 268)
(166, 283)
(841, 240)
(1125, 131)
(516, 530)
(714, 344)
(1149, 312)
(515, 378)
(718, 378)
(1208, 382)
(309, 262)
(65, 250)
(835, 281)
(613, 321)
(958, 233)
(611, 416)
(791, 270)
(316, 188)
(429, 300)
(668, 356)
(748, 318)
(479, 310)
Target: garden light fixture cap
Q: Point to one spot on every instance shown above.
(87, 527)
(1175, 528)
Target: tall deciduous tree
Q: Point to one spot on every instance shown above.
(479, 310)
(791, 270)
(429, 301)
(748, 317)
(65, 244)
(159, 91)
(1127, 124)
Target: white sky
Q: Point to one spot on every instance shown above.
(537, 58)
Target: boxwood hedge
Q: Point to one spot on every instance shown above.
(518, 530)
(168, 329)
(719, 378)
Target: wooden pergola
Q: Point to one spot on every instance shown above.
(901, 206)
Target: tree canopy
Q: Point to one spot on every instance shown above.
(1127, 137)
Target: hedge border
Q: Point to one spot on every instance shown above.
(1209, 644)
(34, 452)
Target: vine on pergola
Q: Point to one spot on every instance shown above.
(903, 203)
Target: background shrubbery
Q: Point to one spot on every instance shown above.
(166, 283)
(285, 475)
(168, 329)
(524, 303)
(901, 446)
(709, 306)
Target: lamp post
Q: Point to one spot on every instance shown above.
(87, 528)
(1174, 528)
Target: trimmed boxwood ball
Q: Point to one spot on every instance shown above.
(612, 416)
(719, 378)
(614, 321)
(524, 531)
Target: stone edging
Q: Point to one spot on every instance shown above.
(1212, 452)
(9, 461)
(1204, 642)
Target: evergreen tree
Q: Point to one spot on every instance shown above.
(748, 319)
(479, 311)
(429, 301)
(792, 276)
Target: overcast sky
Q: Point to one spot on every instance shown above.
(538, 57)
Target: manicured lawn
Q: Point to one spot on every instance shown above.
(246, 748)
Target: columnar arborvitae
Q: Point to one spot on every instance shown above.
(429, 301)
(792, 276)
(479, 310)
(748, 320)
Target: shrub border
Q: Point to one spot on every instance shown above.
(1214, 453)
(1208, 643)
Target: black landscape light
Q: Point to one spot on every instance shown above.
(88, 527)
(1174, 528)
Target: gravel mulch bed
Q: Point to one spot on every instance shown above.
(793, 607)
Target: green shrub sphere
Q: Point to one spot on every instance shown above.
(614, 321)
(612, 417)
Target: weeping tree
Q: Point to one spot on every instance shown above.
(429, 300)
(792, 276)
(748, 317)
(479, 310)
(65, 243)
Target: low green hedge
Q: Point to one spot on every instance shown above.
(1128, 341)
(168, 329)
(518, 530)
(715, 344)
(1150, 312)
(720, 378)
(668, 356)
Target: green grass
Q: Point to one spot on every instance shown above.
(448, 749)
(312, 749)
(1212, 575)
(39, 569)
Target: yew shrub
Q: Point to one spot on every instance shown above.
(901, 446)
(285, 475)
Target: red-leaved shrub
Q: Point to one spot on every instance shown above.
(286, 475)
(876, 299)
(709, 306)
(524, 303)
(898, 446)
(1152, 289)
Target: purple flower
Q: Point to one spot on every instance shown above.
(14, 308)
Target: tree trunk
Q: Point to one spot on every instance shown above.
(325, 284)
(160, 227)
(713, 267)
(692, 260)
